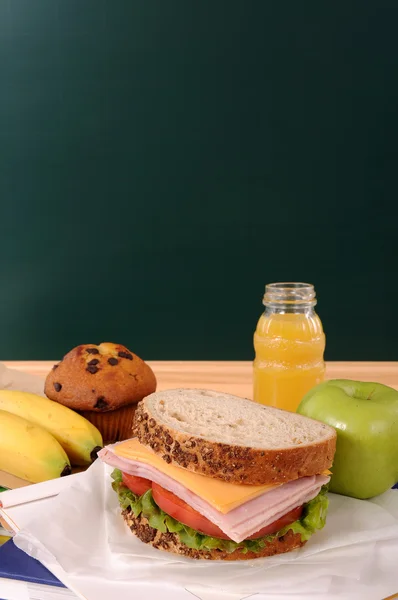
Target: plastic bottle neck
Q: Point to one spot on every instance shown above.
(289, 297)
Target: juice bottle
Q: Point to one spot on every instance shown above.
(289, 345)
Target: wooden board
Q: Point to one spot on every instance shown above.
(11, 482)
(234, 377)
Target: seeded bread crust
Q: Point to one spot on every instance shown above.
(171, 542)
(99, 378)
(232, 463)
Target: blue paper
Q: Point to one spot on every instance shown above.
(16, 564)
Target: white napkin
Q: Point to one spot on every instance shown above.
(88, 539)
(38, 491)
(12, 379)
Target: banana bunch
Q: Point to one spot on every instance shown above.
(40, 439)
(29, 451)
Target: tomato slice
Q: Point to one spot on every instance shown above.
(138, 485)
(180, 510)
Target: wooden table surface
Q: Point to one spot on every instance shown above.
(234, 377)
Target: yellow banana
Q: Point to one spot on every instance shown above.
(80, 439)
(30, 452)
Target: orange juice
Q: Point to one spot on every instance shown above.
(289, 343)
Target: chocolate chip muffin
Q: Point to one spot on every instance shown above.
(103, 383)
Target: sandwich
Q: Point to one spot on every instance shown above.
(212, 476)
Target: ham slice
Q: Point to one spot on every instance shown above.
(241, 522)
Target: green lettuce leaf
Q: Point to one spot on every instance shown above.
(126, 498)
(313, 518)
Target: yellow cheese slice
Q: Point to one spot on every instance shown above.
(221, 495)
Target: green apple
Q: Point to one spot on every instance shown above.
(365, 416)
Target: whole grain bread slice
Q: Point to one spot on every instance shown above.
(170, 542)
(231, 438)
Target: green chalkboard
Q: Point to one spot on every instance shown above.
(162, 160)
